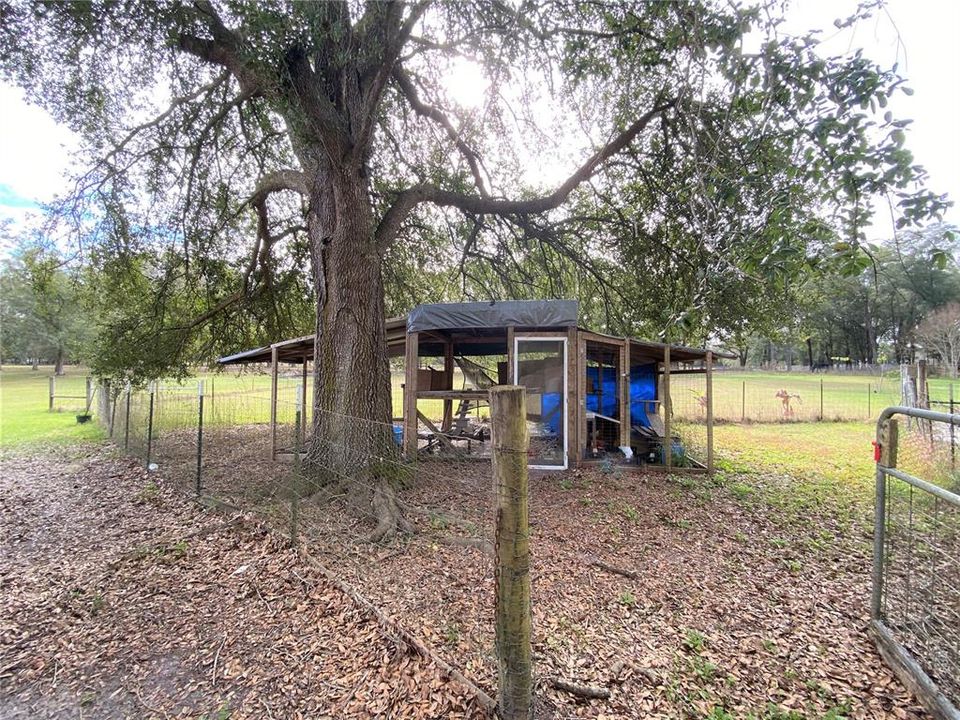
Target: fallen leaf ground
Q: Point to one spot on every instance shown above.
(122, 599)
(741, 599)
(736, 608)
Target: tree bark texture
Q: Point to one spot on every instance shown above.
(513, 612)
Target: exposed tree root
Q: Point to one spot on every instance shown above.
(390, 519)
(597, 562)
(584, 691)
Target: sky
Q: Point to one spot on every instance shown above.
(919, 35)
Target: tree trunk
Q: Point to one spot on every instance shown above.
(352, 442)
(810, 353)
(58, 368)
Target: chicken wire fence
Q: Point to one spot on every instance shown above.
(795, 397)
(335, 490)
(916, 572)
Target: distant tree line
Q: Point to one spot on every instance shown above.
(903, 304)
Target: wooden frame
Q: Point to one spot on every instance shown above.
(273, 402)
(624, 387)
(709, 370)
(624, 351)
(410, 425)
(667, 406)
(564, 395)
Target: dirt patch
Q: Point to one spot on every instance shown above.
(122, 598)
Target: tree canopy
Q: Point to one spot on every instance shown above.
(717, 174)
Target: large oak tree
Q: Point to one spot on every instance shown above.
(277, 137)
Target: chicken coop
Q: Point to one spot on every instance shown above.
(591, 397)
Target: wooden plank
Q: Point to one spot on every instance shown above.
(511, 356)
(573, 396)
(581, 397)
(888, 438)
(410, 396)
(667, 410)
(624, 386)
(307, 400)
(439, 435)
(587, 335)
(448, 371)
(273, 402)
(452, 394)
(709, 370)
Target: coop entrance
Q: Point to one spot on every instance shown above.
(540, 365)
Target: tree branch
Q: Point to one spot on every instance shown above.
(425, 192)
(279, 180)
(396, 38)
(433, 113)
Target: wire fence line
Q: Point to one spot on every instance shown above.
(916, 573)
(336, 490)
(796, 397)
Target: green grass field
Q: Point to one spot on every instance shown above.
(24, 415)
(833, 458)
(752, 396)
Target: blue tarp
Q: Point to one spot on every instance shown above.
(551, 412)
(643, 386)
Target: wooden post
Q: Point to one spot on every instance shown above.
(53, 392)
(953, 432)
(153, 390)
(112, 399)
(709, 364)
(199, 436)
(296, 484)
(447, 421)
(273, 403)
(667, 407)
(126, 425)
(624, 386)
(581, 400)
(304, 391)
(89, 394)
(821, 399)
(743, 402)
(508, 415)
(923, 397)
(511, 355)
(573, 398)
(410, 396)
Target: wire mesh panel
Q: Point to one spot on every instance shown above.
(916, 604)
(174, 447)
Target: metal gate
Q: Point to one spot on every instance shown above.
(915, 613)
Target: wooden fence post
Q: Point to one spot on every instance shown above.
(126, 424)
(199, 436)
(153, 390)
(273, 403)
(667, 403)
(709, 368)
(508, 419)
(953, 429)
(296, 484)
(821, 399)
(743, 402)
(53, 392)
(89, 394)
